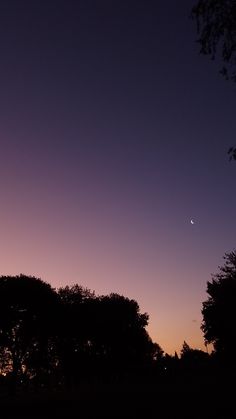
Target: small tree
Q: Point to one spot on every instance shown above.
(219, 311)
(192, 356)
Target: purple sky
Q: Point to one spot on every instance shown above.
(114, 134)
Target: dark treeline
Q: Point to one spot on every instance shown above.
(57, 337)
(70, 338)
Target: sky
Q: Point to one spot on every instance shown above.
(114, 133)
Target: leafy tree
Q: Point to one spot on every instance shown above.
(102, 333)
(27, 325)
(185, 350)
(74, 345)
(194, 361)
(75, 294)
(192, 355)
(68, 333)
(219, 311)
(118, 331)
(216, 23)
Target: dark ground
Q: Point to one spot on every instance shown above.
(203, 397)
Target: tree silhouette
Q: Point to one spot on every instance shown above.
(69, 334)
(118, 331)
(185, 350)
(216, 24)
(74, 345)
(192, 357)
(219, 311)
(27, 325)
(101, 334)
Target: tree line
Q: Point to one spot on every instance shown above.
(58, 337)
(64, 334)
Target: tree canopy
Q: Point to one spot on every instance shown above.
(68, 333)
(27, 323)
(219, 311)
(106, 330)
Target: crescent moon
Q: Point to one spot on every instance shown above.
(191, 221)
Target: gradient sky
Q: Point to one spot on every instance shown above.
(114, 133)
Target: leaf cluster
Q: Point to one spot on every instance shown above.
(216, 26)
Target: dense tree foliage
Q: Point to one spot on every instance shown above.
(74, 345)
(193, 358)
(27, 325)
(216, 23)
(60, 337)
(102, 333)
(70, 333)
(119, 332)
(219, 311)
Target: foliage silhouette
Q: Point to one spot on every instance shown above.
(216, 24)
(219, 311)
(27, 326)
(69, 334)
(93, 354)
(232, 153)
(74, 346)
(193, 358)
(101, 334)
(71, 338)
(118, 331)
